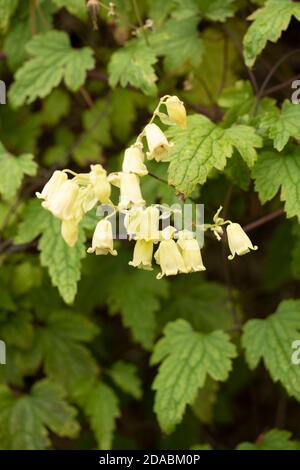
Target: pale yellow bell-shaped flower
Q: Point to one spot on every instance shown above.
(133, 161)
(190, 251)
(130, 191)
(132, 220)
(64, 204)
(102, 242)
(176, 111)
(52, 186)
(142, 255)
(148, 227)
(87, 198)
(157, 142)
(168, 255)
(69, 231)
(238, 241)
(100, 183)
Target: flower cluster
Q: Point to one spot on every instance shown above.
(177, 251)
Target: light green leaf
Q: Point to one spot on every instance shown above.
(283, 125)
(124, 374)
(245, 140)
(204, 146)
(55, 107)
(76, 7)
(63, 262)
(188, 357)
(53, 59)
(13, 170)
(217, 10)
(271, 340)
(276, 439)
(274, 171)
(103, 409)
(34, 221)
(179, 42)
(26, 419)
(137, 297)
(269, 22)
(133, 65)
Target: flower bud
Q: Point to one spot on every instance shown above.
(102, 242)
(134, 161)
(238, 241)
(157, 143)
(190, 251)
(100, 183)
(176, 111)
(69, 231)
(142, 255)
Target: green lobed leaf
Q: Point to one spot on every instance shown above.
(204, 146)
(276, 439)
(271, 340)
(283, 125)
(26, 419)
(63, 262)
(62, 337)
(34, 221)
(133, 65)
(274, 171)
(102, 408)
(55, 107)
(53, 59)
(137, 297)
(269, 22)
(179, 42)
(124, 375)
(217, 10)
(13, 169)
(188, 357)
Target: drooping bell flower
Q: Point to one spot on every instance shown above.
(130, 191)
(69, 231)
(168, 255)
(157, 142)
(64, 203)
(148, 227)
(132, 220)
(176, 111)
(52, 186)
(142, 255)
(238, 241)
(190, 251)
(133, 161)
(102, 242)
(100, 183)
